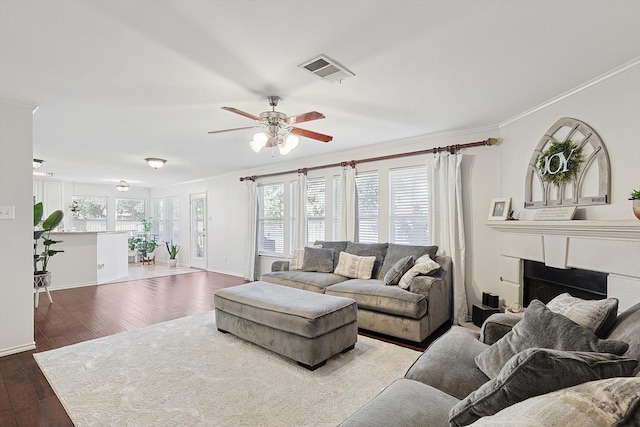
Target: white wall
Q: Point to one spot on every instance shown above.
(612, 108)
(16, 236)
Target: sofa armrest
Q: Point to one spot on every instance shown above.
(422, 284)
(496, 326)
(280, 266)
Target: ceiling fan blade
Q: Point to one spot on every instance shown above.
(305, 117)
(242, 113)
(311, 134)
(231, 130)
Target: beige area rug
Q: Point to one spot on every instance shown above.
(186, 373)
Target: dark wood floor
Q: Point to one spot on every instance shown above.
(81, 314)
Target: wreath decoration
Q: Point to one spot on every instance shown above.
(560, 162)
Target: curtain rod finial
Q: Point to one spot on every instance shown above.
(492, 141)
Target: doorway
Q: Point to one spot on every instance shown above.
(198, 204)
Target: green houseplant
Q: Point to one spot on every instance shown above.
(173, 252)
(635, 198)
(42, 231)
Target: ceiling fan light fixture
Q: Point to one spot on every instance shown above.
(287, 143)
(123, 186)
(155, 162)
(292, 141)
(258, 142)
(37, 163)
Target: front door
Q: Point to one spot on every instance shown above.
(198, 203)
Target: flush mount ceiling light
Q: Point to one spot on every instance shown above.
(37, 163)
(123, 186)
(155, 162)
(278, 128)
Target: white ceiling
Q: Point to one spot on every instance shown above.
(117, 81)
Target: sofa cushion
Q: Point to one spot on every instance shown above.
(610, 402)
(337, 246)
(423, 265)
(596, 315)
(374, 295)
(318, 259)
(449, 365)
(537, 371)
(396, 252)
(377, 250)
(404, 403)
(627, 329)
(392, 277)
(307, 280)
(354, 266)
(543, 328)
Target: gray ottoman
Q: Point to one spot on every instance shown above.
(304, 326)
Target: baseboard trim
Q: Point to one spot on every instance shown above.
(17, 349)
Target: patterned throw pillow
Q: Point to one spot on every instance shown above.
(534, 372)
(295, 263)
(398, 270)
(595, 315)
(423, 265)
(610, 402)
(354, 266)
(541, 327)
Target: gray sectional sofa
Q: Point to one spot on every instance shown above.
(411, 314)
(550, 386)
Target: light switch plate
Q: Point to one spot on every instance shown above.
(7, 212)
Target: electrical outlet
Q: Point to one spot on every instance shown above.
(7, 212)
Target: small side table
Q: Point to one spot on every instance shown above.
(481, 312)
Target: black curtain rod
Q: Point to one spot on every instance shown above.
(450, 148)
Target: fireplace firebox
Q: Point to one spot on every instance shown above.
(545, 283)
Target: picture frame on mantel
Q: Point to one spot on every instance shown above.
(500, 209)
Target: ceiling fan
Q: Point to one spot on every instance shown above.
(278, 129)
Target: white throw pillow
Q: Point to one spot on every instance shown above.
(423, 265)
(354, 266)
(595, 315)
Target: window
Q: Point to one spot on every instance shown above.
(409, 206)
(271, 218)
(336, 195)
(315, 210)
(172, 222)
(89, 213)
(367, 186)
(129, 213)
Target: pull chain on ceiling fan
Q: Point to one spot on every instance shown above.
(278, 129)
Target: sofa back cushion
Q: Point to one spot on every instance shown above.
(396, 252)
(377, 250)
(337, 247)
(627, 329)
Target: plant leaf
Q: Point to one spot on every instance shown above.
(37, 213)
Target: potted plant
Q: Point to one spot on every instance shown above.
(635, 199)
(133, 242)
(41, 276)
(173, 251)
(146, 247)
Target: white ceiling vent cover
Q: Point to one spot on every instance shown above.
(327, 69)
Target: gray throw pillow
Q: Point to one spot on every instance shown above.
(596, 315)
(318, 259)
(543, 328)
(610, 402)
(537, 371)
(397, 270)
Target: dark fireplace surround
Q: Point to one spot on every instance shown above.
(544, 283)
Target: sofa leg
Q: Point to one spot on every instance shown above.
(314, 367)
(223, 331)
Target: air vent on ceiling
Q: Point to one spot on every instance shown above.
(327, 69)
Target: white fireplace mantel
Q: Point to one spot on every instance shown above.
(607, 246)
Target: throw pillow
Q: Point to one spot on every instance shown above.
(354, 266)
(398, 270)
(596, 315)
(423, 265)
(614, 401)
(295, 263)
(541, 327)
(318, 259)
(537, 371)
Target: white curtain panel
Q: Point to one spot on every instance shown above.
(300, 236)
(250, 243)
(447, 225)
(347, 204)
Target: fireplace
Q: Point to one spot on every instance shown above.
(544, 283)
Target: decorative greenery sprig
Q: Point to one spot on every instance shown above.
(560, 162)
(172, 249)
(635, 194)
